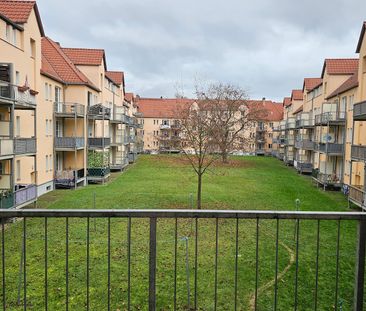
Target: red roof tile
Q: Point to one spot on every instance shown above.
(274, 111)
(349, 84)
(286, 101)
(129, 97)
(340, 66)
(116, 76)
(297, 95)
(57, 65)
(18, 11)
(161, 107)
(311, 83)
(88, 57)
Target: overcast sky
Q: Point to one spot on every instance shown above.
(264, 46)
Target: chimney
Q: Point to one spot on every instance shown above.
(263, 98)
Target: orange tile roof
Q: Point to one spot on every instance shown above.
(57, 65)
(297, 95)
(18, 11)
(286, 101)
(116, 76)
(340, 66)
(88, 57)
(129, 97)
(311, 83)
(169, 107)
(349, 84)
(362, 34)
(274, 111)
(161, 107)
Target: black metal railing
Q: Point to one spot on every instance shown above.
(331, 148)
(69, 269)
(69, 142)
(99, 142)
(25, 145)
(359, 111)
(358, 153)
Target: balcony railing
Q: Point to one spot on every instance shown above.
(99, 112)
(119, 163)
(305, 144)
(6, 147)
(69, 142)
(359, 111)
(260, 152)
(5, 128)
(357, 195)
(24, 145)
(132, 157)
(119, 114)
(359, 153)
(71, 267)
(99, 172)
(19, 95)
(290, 124)
(99, 142)
(68, 178)
(69, 109)
(25, 193)
(5, 182)
(326, 179)
(330, 117)
(330, 148)
(7, 200)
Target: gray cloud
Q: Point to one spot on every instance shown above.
(265, 46)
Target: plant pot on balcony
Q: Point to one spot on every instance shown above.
(23, 88)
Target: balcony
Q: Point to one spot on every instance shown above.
(303, 164)
(333, 180)
(24, 146)
(357, 196)
(358, 153)
(289, 141)
(331, 117)
(119, 163)
(6, 147)
(25, 194)
(99, 142)
(69, 110)
(98, 173)
(22, 97)
(305, 144)
(69, 143)
(69, 178)
(260, 152)
(260, 129)
(117, 140)
(119, 115)
(288, 158)
(290, 124)
(330, 148)
(99, 112)
(359, 111)
(108, 249)
(165, 127)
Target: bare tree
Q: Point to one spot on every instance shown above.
(231, 115)
(196, 141)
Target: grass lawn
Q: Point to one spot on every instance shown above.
(169, 182)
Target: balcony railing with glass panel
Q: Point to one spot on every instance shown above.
(69, 110)
(19, 95)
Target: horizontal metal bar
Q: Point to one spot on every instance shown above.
(181, 213)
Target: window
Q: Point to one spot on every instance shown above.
(57, 94)
(33, 48)
(270, 146)
(18, 169)
(50, 164)
(17, 126)
(46, 91)
(7, 32)
(50, 92)
(14, 37)
(47, 129)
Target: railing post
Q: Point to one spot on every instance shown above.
(360, 266)
(152, 265)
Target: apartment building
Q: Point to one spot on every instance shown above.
(304, 128)
(357, 158)
(23, 174)
(161, 125)
(64, 119)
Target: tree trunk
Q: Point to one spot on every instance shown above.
(224, 156)
(199, 191)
